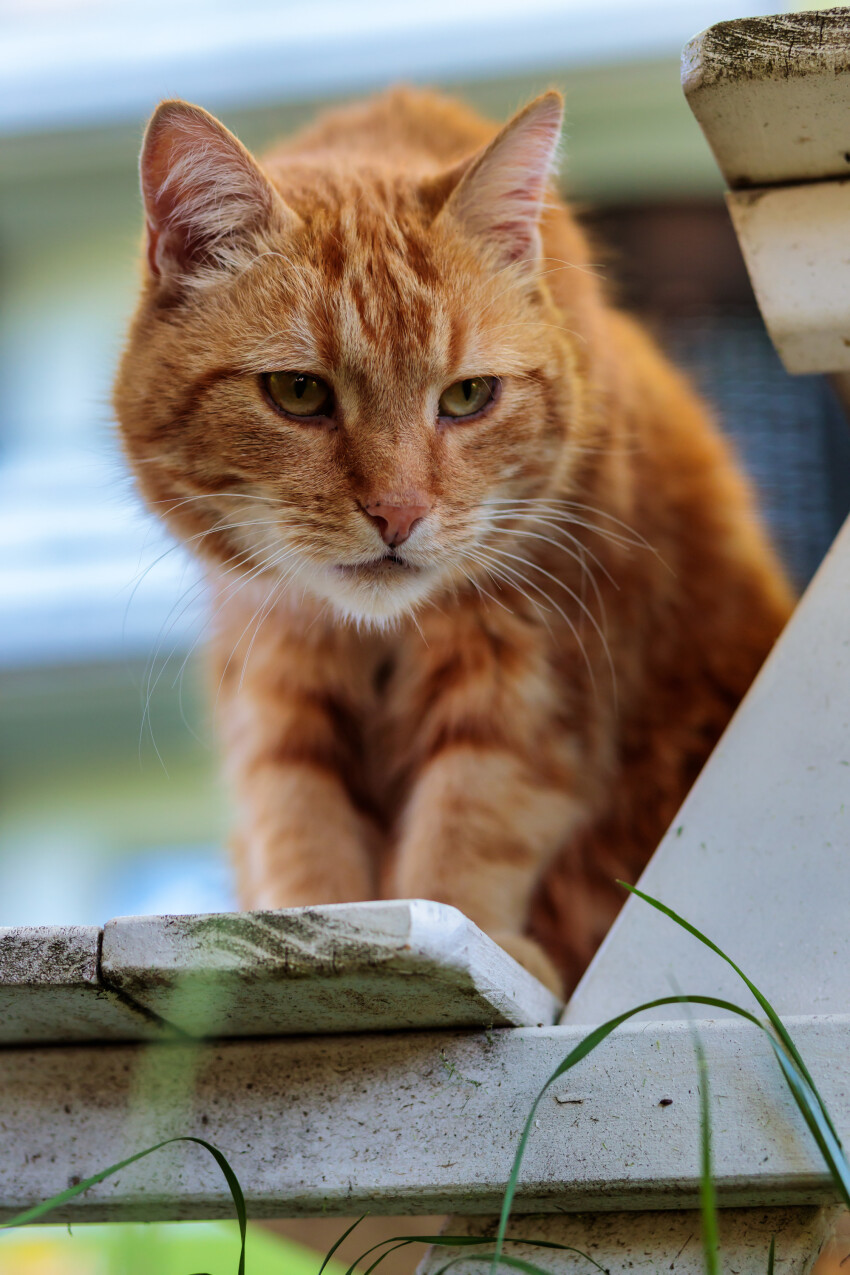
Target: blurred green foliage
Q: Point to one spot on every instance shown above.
(167, 1248)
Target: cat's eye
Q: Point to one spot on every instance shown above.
(299, 393)
(468, 397)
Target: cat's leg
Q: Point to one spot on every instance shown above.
(300, 841)
(477, 833)
(290, 727)
(493, 793)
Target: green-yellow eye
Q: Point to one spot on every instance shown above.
(469, 396)
(299, 393)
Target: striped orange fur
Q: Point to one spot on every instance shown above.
(478, 660)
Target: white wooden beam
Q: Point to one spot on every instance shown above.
(794, 241)
(417, 1122)
(772, 95)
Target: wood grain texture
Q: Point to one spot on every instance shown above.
(51, 990)
(771, 95)
(383, 966)
(788, 45)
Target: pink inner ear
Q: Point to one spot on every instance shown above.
(201, 190)
(517, 238)
(167, 147)
(500, 199)
(166, 168)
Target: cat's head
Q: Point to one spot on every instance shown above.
(344, 375)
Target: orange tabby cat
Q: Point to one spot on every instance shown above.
(487, 582)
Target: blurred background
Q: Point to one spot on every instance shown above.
(109, 797)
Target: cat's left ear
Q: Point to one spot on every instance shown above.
(205, 196)
(500, 195)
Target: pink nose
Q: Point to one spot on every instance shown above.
(395, 522)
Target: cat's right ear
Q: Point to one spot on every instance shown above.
(205, 197)
(498, 196)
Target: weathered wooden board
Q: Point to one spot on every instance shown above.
(384, 966)
(772, 96)
(340, 968)
(416, 1122)
(664, 1241)
(50, 990)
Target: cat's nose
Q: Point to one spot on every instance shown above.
(395, 522)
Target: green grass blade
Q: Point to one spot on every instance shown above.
(520, 1262)
(462, 1241)
(821, 1129)
(802, 1086)
(47, 1206)
(707, 1195)
(368, 1253)
(341, 1240)
(400, 1240)
(446, 1241)
(575, 1056)
(393, 1248)
(465, 1241)
(566, 1248)
(771, 1256)
(772, 1016)
(796, 1074)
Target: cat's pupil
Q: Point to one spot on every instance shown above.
(468, 397)
(298, 393)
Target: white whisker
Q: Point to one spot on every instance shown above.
(582, 606)
(500, 574)
(587, 574)
(532, 585)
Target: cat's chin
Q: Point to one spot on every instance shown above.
(377, 599)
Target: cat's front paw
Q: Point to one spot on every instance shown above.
(532, 957)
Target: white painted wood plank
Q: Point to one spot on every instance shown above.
(50, 990)
(653, 1242)
(758, 855)
(794, 241)
(772, 96)
(416, 1122)
(339, 968)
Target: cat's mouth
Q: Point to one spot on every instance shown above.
(378, 590)
(388, 564)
